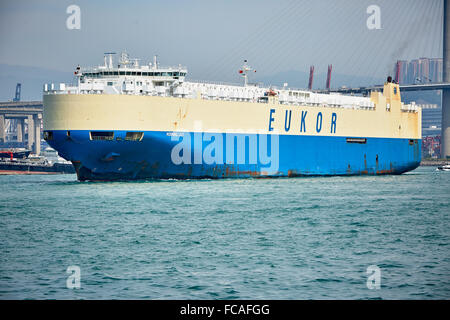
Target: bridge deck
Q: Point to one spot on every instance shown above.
(403, 87)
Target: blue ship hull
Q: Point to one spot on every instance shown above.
(299, 155)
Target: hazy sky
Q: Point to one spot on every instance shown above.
(212, 37)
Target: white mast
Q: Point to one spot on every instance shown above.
(78, 74)
(244, 72)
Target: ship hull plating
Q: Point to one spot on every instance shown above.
(185, 155)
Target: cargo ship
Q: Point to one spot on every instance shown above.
(127, 120)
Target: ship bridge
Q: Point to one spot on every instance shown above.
(130, 68)
(127, 77)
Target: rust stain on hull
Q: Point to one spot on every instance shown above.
(242, 173)
(385, 171)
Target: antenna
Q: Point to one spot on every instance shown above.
(78, 74)
(244, 72)
(155, 62)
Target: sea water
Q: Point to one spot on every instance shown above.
(360, 237)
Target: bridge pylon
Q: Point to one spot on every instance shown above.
(445, 133)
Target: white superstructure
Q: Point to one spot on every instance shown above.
(129, 77)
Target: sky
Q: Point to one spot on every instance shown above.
(212, 38)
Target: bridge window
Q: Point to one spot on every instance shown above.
(134, 136)
(263, 100)
(48, 135)
(101, 135)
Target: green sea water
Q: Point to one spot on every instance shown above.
(287, 238)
